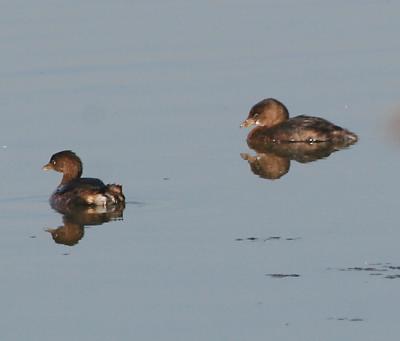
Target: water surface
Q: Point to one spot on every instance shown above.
(151, 96)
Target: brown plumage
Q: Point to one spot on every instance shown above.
(273, 125)
(74, 190)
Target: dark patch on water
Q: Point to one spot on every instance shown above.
(376, 269)
(282, 275)
(392, 276)
(32, 236)
(393, 267)
(357, 268)
(353, 319)
(253, 239)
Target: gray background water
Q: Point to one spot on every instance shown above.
(146, 91)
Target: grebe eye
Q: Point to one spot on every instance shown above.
(53, 162)
(256, 115)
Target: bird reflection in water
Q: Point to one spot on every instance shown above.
(267, 165)
(272, 161)
(75, 219)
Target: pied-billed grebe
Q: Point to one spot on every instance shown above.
(74, 190)
(274, 126)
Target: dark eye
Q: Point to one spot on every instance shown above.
(255, 115)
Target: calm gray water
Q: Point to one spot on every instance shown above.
(151, 95)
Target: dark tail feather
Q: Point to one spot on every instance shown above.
(345, 136)
(114, 191)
